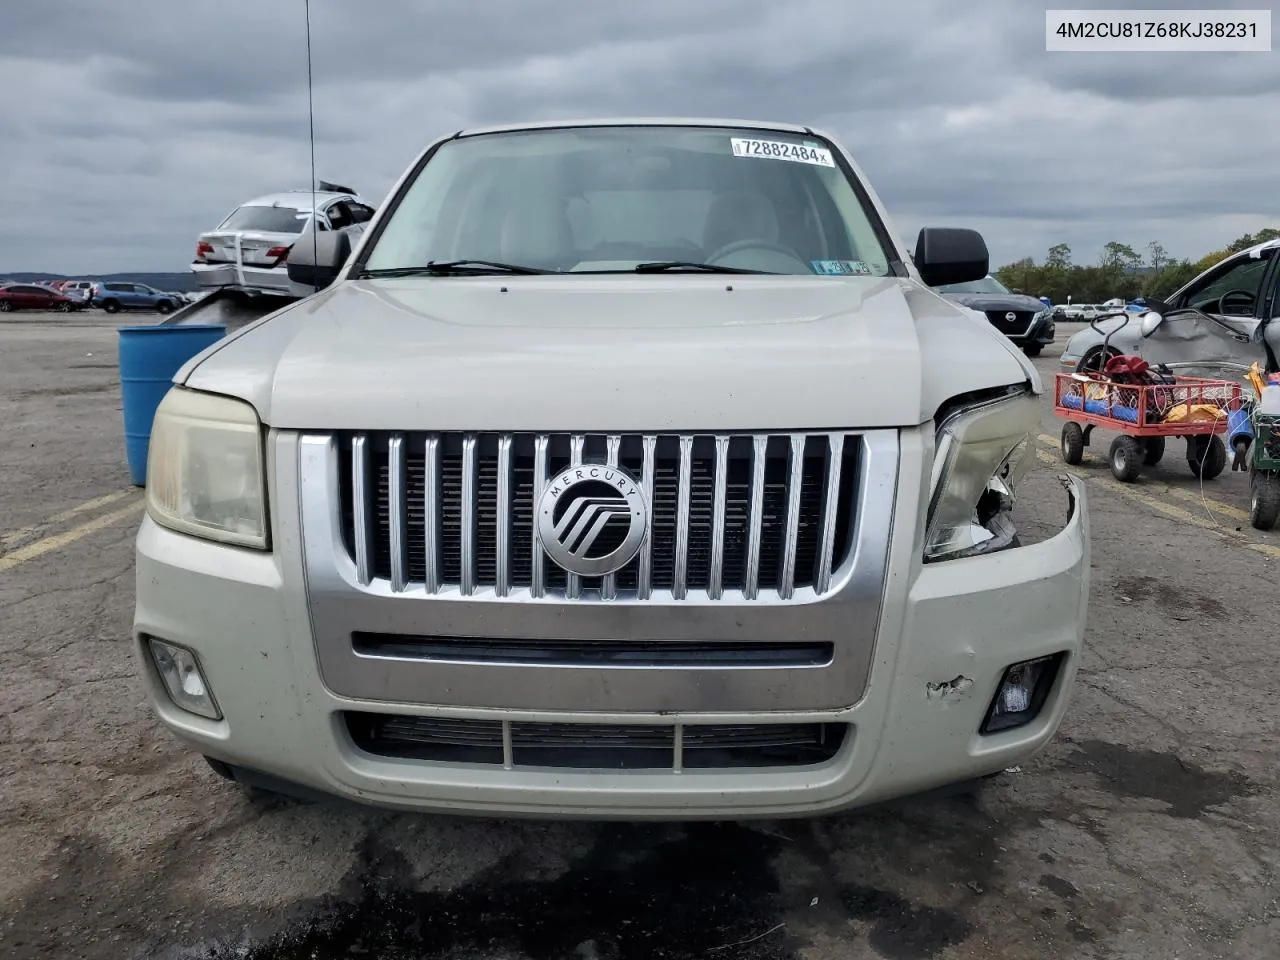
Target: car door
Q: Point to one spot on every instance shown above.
(1231, 301)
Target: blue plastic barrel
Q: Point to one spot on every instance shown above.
(1238, 427)
(149, 357)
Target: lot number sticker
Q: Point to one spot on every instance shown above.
(780, 150)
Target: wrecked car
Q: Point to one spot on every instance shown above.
(1214, 325)
(619, 468)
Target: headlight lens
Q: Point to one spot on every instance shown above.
(981, 454)
(205, 468)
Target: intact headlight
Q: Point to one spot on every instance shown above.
(205, 468)
(981, 454)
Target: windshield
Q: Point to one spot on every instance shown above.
(266, 219)
(605, 199)
(985, 285)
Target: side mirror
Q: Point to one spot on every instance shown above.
(1150, 322)
(317, 257)
(951, 255)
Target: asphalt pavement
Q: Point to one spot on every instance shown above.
(1149, 829)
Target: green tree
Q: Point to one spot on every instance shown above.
(1059, 257)
(1121, 256)
(1156, 255)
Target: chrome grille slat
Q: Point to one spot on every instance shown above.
(468, 576)
(794, 490)
(684, 492)
(502, 539)
(360, 498)
(431, 515)
(396, 507)
(644, 575)
(830, 509)
(751, 584)
(743, 517)
(537, 580)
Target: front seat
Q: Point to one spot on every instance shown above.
(536, 233)
(739, 215)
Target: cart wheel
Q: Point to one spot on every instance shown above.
(1264, 499)
(1072, 443)
(1153, 448)
(1206, 456)
(1126, 458)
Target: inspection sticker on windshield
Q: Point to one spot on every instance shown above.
(780, 150)
(840, 268)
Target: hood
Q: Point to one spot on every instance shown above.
(997, 301)
(608, 354)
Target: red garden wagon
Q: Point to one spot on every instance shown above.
(1145, 414)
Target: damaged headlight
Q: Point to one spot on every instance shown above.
(205, 468)
(982, 451)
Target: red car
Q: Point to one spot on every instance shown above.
(29, 296)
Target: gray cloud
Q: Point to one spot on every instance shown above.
(146, 121)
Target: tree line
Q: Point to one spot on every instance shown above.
(1118, 273)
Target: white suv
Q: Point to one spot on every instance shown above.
(623, 468)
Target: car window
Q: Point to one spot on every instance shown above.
(266, 219)
(1240, 284)
(608, 198)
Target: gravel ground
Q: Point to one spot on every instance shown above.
(1150, 828)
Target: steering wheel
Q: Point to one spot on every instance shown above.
(749, 244)
(1245, 295)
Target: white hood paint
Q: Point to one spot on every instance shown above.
(609, 354)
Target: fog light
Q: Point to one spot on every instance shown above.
(1023, 690)
(180, 671)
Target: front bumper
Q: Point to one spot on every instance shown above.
(246, 616)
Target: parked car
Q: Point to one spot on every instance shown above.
(1227, 302)
(33, 296)
(1024, 320)
(622, 468)
(81, 290)
(249, 249)
(116, 295)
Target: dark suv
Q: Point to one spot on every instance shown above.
(1024, 320)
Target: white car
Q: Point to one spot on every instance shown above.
(621, 468)
(249, 249)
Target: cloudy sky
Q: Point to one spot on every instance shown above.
(127, 127)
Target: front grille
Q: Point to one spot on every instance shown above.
(601, 746)
(1019, 325)
(751, 516)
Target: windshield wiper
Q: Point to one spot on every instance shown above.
(442, 268)
(658, 266)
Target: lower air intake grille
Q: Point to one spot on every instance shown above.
(596, 745)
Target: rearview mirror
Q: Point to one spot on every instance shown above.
(316, 258)
(951, 255)
(1150, 322)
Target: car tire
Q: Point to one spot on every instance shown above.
(1032, 349)
(1206, 456)
(1153, 451)
(164, 306)
(5, 306)
(1264, 499)
(64, 308)
(1126, 459)
(1089, 362)
(1072, 443)
(111, 306)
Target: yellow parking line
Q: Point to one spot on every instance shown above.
(41, 547)
(95, 503)
(1167, 509)
(1209, 505)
